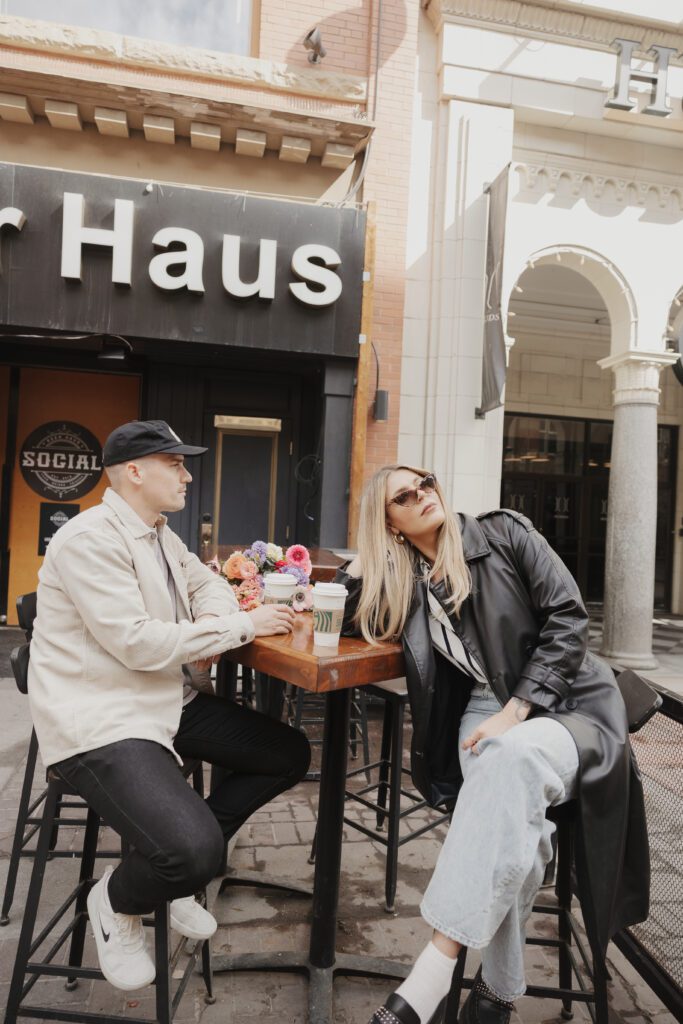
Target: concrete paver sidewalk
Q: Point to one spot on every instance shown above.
(277, 841)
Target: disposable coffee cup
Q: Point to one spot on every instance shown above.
(280, 587)
(328, 613)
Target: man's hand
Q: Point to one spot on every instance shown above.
(270, 619)
(514, 712)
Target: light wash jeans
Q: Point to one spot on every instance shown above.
(493, 859)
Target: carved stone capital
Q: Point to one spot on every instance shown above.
(636, 376)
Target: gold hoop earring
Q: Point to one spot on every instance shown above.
(399, 538)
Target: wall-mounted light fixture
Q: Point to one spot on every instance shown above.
(380, 406)
(115, 349)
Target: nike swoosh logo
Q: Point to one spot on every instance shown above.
(105, 935)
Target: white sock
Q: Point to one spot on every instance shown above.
(428, 982)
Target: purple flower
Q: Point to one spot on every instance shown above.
(260, 550)
(299, 574)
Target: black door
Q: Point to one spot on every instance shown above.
(251, 478)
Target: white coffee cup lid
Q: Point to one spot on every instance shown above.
(330, 589)
(280, 579)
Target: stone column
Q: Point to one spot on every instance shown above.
(632, 509)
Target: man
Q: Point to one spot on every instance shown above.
(123, 606)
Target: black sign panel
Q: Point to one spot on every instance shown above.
(203, 308)
(52, 516)
(61, 460)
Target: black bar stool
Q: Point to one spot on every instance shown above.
(574, 950)
(75, 928)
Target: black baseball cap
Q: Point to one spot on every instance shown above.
(144, 437)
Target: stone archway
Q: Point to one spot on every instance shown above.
(632, 502)
(603, 275)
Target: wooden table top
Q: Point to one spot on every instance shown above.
(294, 659)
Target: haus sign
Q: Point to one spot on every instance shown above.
(657, 78)
(112, 256)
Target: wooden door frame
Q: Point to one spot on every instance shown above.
(359, 433)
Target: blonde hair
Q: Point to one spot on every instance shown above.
(390, 569)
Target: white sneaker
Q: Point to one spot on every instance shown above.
(191, 919)
(120, 941)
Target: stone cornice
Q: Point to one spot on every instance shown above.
(42, 37)
(562, 21)
(629, 186)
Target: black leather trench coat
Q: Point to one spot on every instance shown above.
(526, 625)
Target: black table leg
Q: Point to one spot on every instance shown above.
(322, 962)
(269, 695)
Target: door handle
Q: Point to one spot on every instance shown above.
(205, 532)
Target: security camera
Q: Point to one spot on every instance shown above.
(314, 42)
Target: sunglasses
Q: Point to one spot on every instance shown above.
(409, 497)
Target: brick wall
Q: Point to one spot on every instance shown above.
(349, 31)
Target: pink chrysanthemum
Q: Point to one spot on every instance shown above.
(298, 556)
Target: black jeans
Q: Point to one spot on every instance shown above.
(177, 838)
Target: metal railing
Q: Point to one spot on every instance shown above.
(655, 947)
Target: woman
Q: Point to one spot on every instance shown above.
(511, 714)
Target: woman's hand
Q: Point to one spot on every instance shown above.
(514, 712)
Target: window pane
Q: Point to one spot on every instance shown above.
(600, 447)
(665, 441)
(210, 24)
(539, 445)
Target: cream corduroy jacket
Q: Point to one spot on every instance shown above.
(107, 653)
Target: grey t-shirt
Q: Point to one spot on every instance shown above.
(188, 692)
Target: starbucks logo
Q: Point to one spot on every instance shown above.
(61, 460)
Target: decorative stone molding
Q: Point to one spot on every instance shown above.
(636, 376)
(145, 54)
(561, 20)
(589, 181)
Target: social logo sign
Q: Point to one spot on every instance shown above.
(61, 460)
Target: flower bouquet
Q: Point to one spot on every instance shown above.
(246, 570)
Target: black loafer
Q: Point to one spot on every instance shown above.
(479, 1008)
(395, 1011)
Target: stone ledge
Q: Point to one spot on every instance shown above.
(144, 54)
(563, 21)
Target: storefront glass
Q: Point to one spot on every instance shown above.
(556, 472)
(536, 444)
